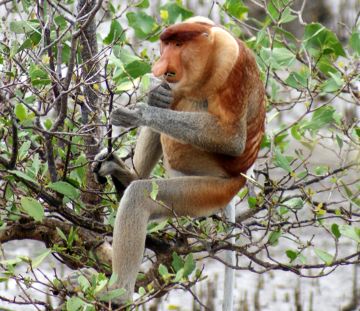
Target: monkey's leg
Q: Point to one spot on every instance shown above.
(192, 196)
(147, 152)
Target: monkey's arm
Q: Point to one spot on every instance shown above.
(201, 129)
(147, 151)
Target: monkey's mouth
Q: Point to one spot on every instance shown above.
(170, 76)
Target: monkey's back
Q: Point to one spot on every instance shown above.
(243, 89)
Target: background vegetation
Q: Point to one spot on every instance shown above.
(64, 65)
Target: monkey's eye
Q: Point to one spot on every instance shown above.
(178, 44)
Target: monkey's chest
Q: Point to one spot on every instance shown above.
(185, 158)
(189, 160)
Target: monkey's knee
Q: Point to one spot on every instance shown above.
(136, 192)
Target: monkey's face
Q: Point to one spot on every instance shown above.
(183, 63)
(169, 65)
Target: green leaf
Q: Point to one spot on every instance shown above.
(339, 141)
(127, 64)
(141, 291)
(355, 41)
(282, 210)
(319, 40)
(112, 294)
(252, 202)
(334, 83)
(350, 195)
(273, 10)
(36, 164)
(122, 56)
(357, 131)
(179, 275)
(324, 256)
(286, 16)
(351, 232)
(189, 265)
(11, 262)
(163, 270)
(24, 149)
(158, 226)
(100, 285)
(321, 117)
(142, 23)
(143, 4)
(176, 12)
(274, 237)
(83, 282)
(137, 69)
(236, 8)
(26, 5)
(38, 76)
(48, 124)
(321, 170)
(335, 230)
(74, 304)
(277, 58)
(21, 27)
(65, 188)
(20, 111)
(114, 277)
(115, 34)
(177, 262)
(39, 259)
(294, 203)
(292, 255)
(23, 176)
(154, 190)
(298, 80)
(61, 234)
(296, 133)
(61, 22)
(33, 208)
(281, 161)
(124, 85)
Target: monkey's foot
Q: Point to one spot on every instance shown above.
(106, 164)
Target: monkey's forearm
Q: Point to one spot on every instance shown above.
(197, 128)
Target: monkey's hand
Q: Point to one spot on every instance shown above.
(126, 117)
(161, 96)
(110, 164)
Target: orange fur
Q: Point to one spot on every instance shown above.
(209, 64)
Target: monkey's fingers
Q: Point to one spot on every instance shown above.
(125, 117)
(160, 97)
(100, 179)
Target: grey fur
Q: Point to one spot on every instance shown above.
(177, 195)
(201, 129)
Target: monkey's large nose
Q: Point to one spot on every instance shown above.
(160, 68)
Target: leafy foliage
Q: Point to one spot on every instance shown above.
(56, 98)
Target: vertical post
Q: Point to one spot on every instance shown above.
(228, 302)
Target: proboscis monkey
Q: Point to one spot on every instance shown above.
(208, 129)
